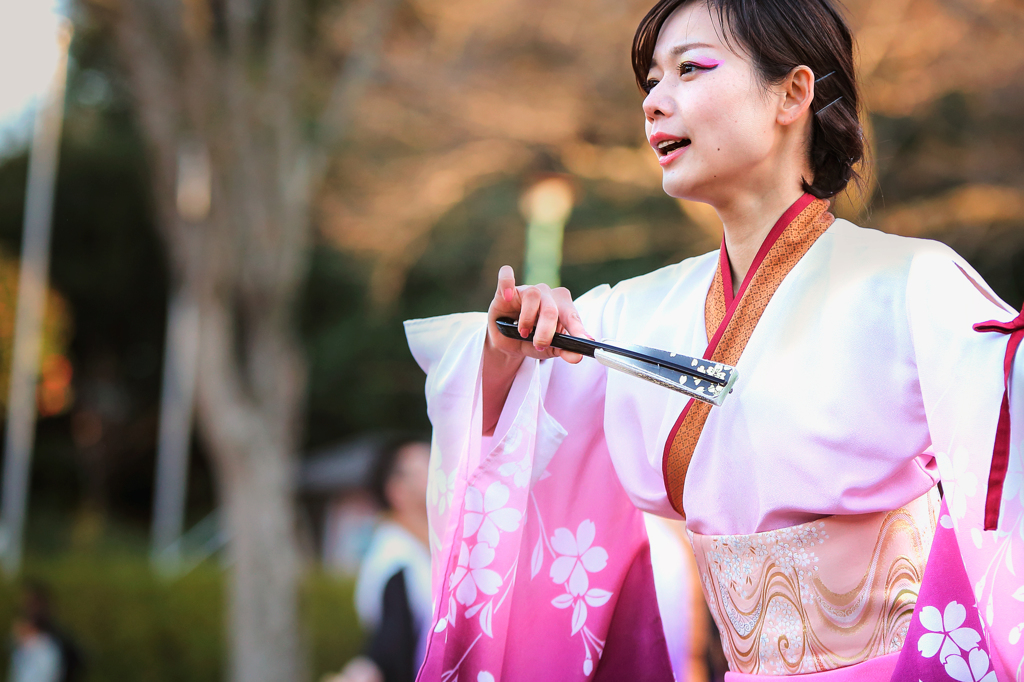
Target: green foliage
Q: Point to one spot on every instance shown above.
(362, 376)
(132, 625)
(332, 631)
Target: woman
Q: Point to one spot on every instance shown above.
(392, 592)
(810, 495)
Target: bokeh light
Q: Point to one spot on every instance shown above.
(28, 55)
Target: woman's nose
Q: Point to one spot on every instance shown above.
(656, 104)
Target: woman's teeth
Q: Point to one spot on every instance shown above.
(668, 146)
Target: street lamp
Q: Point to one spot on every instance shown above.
(546, 205)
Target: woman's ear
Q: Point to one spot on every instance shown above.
(798, 92)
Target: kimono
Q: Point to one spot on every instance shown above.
(809, 496)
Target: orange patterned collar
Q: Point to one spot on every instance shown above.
(730, 320)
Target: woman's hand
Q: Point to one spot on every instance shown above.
(540, 309)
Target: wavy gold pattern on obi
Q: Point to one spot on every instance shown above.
(819, 596)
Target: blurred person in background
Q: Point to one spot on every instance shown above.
(871, 367)
(43, 651)
(36, 656)
(393, 588)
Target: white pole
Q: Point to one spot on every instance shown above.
(171, 485)
(181, 357)
(32, 284)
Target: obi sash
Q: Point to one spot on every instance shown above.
(730, 320)
(819, 596)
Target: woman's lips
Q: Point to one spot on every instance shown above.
(668, 147)
(672, 156)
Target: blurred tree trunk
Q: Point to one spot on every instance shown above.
(218, 89)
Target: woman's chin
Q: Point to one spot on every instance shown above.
(679, 186)
(703, 187)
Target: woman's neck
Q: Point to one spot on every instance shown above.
(747, 222)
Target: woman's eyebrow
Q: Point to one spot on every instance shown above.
(681, 49)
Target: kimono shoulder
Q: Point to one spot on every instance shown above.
(908, 261)
(507, 520)
(638, 301)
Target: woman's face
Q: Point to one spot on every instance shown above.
(709, 118)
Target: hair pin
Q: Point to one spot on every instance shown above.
(824, 77)
(828, 105)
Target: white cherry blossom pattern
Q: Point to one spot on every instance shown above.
(945, 635)
(440, 486)
(448, 619)
(513, 439)
(975, 668)
(471, 574)
(577, 557)
(486, 515)
(519, 471)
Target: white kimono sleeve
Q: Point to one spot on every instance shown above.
(541, 565)
(962, 384)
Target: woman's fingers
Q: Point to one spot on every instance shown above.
(547, 318)
(528, 313)
(567, 313)
(539, 309)
(507, 291)
(570, 320)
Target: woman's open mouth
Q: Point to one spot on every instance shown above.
(666, 147)
(670, 150)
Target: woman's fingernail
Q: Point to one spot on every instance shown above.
(524, 332)
(537, 348)
(508, 294)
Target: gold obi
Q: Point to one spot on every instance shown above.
(822, 595)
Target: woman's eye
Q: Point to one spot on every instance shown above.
(687, 68)
(649, 85)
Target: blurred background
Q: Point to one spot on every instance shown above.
(215, 214)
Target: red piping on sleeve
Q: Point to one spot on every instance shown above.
(1001, 449)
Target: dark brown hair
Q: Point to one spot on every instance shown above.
(780, 35)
